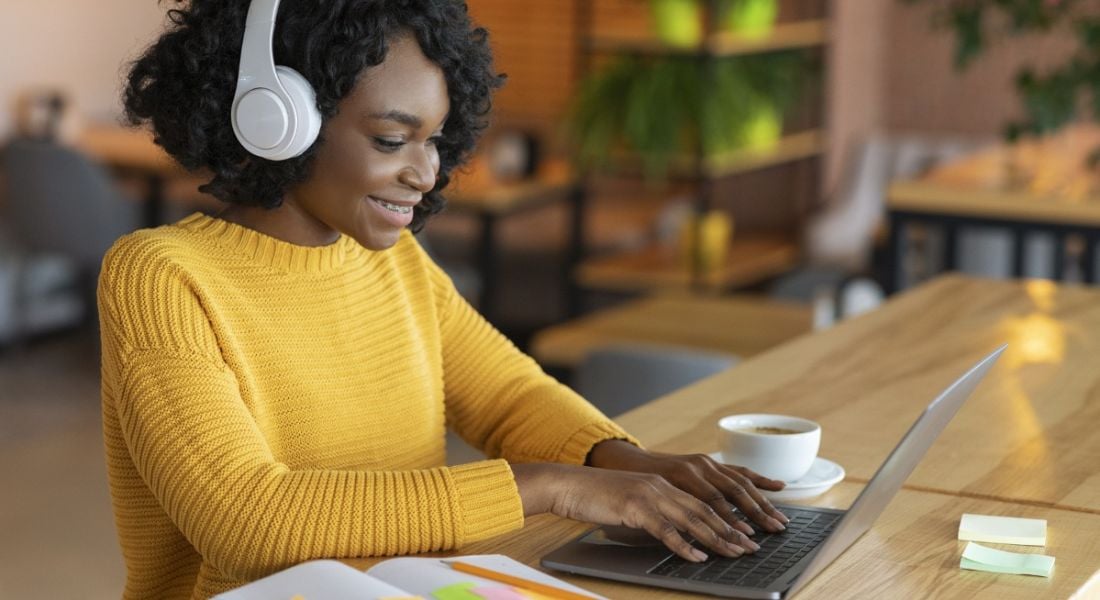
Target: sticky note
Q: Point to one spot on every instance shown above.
(498, 593)
(457, 591)
(976, 557)
(1003, 530)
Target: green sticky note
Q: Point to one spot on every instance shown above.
(1003, 530)
(976, 557)
(458, 591)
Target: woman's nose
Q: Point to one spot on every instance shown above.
(420, 173)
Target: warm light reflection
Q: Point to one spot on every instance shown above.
(1035, 339)
(1041, 292)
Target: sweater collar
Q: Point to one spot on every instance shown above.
(267, 250)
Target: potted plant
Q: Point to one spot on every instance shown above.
(750, 18)
(660, 108)
(677, 22)
(1053, 98)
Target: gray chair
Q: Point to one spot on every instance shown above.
(618, 378)
(61, 212)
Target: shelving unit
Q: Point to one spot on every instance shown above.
(785, 36)
(753, 257)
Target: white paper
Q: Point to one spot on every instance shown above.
(315, 580)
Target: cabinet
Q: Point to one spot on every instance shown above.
(766, 239)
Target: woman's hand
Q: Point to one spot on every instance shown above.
(716, 484)
(640, 500)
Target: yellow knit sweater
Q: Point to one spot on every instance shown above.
(266, 404)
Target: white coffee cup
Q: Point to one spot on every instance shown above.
(786, 452)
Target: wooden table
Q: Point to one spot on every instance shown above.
(132, 150)
(1041, 185)
(741, 326)
(476, 192)
(1025, 444)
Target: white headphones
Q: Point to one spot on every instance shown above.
(275, 112)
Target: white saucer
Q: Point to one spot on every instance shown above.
(823, 475)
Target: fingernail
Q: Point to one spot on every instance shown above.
(698, 554)
(754, 545)
(734, 549)
(779, 525)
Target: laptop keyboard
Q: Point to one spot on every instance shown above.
(777, 553)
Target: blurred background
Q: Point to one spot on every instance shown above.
(668, 187)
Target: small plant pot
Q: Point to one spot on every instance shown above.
(704, 240)
(677, 22)
(751, 18)
(763, 128)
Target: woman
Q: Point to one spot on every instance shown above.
(277, 379)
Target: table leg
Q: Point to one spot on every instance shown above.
(1088, 260)
(895, 254)
(154, 200)
(486, 266)
(1059, 256)
(574, 300)
(1019, 236)
(950, 247)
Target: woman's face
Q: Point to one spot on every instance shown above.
(379, 155)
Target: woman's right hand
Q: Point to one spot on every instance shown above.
(639, 500)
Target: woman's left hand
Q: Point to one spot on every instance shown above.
(719, 485)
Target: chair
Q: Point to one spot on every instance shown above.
(62, 213)
(840, 240)
(618, 378)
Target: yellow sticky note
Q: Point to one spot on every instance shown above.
(1003, 530)
(976, 557)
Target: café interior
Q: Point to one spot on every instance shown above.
(682, 209)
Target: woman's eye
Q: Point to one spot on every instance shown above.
(387, 145)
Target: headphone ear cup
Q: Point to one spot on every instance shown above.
(304, 104)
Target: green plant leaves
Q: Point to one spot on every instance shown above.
(658, 108)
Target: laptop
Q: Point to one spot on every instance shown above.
(786, 561)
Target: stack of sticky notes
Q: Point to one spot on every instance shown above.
(1004, 530)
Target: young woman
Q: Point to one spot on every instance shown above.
(277, 379)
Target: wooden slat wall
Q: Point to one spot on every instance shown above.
(535, 43)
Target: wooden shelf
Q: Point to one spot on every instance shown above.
(751, 259)
(785, 36)
(789, 148)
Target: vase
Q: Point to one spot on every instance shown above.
(751, 18)
(704, 241)
(677, 22)
(763, 128)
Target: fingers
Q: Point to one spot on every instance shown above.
(701, 488)
(719, 484)
(759, 480)
(664, 511)
(704, 524)
(744, 495)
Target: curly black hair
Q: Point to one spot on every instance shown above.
(183, 84)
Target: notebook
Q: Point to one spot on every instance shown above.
(398, 579)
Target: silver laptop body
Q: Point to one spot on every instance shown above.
(632, 556)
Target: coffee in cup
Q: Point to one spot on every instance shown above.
(776, 446)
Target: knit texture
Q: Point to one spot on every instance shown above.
(266, 403)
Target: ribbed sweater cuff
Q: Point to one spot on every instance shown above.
(577, 448)
(488, 499)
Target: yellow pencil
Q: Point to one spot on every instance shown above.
(546, 590)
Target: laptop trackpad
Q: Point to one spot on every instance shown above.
(621, 536)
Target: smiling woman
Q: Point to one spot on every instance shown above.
(278, 379)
